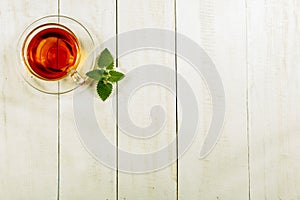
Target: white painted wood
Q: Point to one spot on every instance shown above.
(274, 48)
(219, 27)
(82, 176)
(28, 119)
(139, 14)
(257, 56)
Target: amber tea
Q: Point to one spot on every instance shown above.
(52, 52)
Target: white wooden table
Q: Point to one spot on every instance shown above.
(255, 46)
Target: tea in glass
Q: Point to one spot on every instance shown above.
(52, 52)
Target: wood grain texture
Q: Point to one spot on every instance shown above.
(274, 48)
(28, 119)
(255, 46)
(161, 184)
(219, 27)
(82, 176)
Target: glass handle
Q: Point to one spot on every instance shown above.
(77, 78)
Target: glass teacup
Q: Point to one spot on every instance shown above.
(55, 53)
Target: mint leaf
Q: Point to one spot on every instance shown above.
(104, 90)
(115, 76)
(106, 75)
(111, 66)
(95, 74)
(105, 59)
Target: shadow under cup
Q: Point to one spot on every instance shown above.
(55, 54)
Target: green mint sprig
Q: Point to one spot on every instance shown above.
(105, 74)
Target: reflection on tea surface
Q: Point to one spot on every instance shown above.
(52, 53)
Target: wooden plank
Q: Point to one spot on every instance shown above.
(159, 184)
(28, 119)
(274, 48)
(219, 27)
(83, 176)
